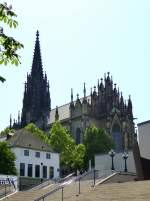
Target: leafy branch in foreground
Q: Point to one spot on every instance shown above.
(8, 45)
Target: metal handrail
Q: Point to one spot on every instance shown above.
(41, 185)
(49, 193)
(65, 178)
(61, 186)
(56, 188)
(79, 177)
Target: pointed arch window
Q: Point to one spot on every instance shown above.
(116, 134)
(78, 136)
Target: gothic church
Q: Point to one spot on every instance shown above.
(105, 107)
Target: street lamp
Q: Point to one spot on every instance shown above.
(112, 154)
(125, 156)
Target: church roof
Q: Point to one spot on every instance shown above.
(26, 139)
(64, 111)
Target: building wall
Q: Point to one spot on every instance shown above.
(103, 162)
(144, 139)
(42, 161)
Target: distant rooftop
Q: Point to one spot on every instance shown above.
(144, 122)
(26, 139)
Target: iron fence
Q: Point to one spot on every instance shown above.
(7, 186)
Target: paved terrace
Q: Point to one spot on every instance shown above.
(129, 191)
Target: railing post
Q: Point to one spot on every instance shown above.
(79, 187)
(94, 176)
(62, 194)
(5, 189)
(20, 188)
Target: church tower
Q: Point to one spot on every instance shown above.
(36, 101)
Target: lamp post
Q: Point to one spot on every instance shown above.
(125, 156)
(112, 154)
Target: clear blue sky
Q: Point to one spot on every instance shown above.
(80, 41)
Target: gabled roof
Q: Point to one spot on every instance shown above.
(26, 139)
(145, 122)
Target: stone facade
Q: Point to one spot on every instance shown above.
(105, 107)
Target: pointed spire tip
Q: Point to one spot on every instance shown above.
(37, 34)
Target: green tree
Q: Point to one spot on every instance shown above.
(8, 45)
(71, 155)
(78, 157)
(61, 141)
(96, 141)
(60, 137)
(6, 131)
(7, 159)
(37, 131)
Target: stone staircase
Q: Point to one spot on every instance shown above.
(73, 188)
(70, 191)
(29, 195)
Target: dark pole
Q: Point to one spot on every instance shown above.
(20, 184)
(94, 175)
(41, 172)
(5, 189)
(79, 186)
(125, 168)
(125, 156)
(62, 194)
(112, 166)
(112, 154)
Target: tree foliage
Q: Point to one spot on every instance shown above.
(71, 155)
(61, 141)
(78, 157)
(6, 131)
(96, 141)
(8, 45)
(37, 131)
(7, 160)
(60, 137)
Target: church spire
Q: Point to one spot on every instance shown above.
(37, 60)
(129, 107)
(10, 122)
(36, 102)
(84, 91)
(56, 114)
(71, 95)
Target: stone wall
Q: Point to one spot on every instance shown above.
(103, 162)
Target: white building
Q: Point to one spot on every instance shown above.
(34, 158)
(144, 139)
